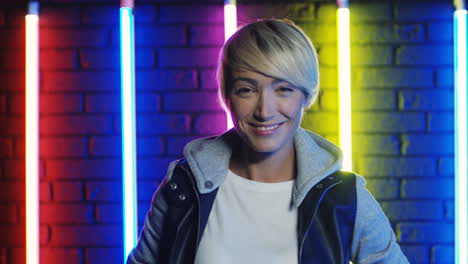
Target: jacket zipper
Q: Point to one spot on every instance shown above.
(310, 223)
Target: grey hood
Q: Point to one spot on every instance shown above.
(209, 160)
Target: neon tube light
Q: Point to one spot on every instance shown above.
(230, 18)
(230, 27)
(32, 134)
(461, 150)
(127, 65)
(344, 82)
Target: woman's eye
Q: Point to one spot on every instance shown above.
(285, 89)
(243, 91)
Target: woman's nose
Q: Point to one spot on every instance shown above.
(264, 109)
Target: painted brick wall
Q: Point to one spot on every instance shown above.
(408, 158)
(402, 113)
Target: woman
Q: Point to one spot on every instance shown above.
(266, 191)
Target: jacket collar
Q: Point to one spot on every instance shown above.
(317, 158)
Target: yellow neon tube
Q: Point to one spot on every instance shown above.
(344, 83)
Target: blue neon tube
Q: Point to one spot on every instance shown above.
(461, 150)
(127, 66)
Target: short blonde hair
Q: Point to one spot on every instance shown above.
(273, 47)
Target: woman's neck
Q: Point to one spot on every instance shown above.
(279, 166)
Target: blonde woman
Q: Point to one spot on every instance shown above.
(267, 191)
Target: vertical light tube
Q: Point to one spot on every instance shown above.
(461, 149)
(32, 134)
(230, 18)
(230, 27)
(344, 84)
(127, 75)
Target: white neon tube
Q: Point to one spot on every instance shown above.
(461, 149)
(129, 184)
(230, 27)
(344, 83)
(230, 19)
(32, 134)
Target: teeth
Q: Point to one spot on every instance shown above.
(267, 128)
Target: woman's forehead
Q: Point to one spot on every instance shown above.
(255, 77)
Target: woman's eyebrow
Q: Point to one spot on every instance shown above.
(276, 81)
(249, 80)
(254, 82)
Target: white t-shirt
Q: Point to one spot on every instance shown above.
(250, 222)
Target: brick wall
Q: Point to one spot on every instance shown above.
(402, 113)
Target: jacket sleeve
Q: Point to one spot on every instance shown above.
(374, 240)
(148, 247)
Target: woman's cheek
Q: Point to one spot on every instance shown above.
(294, 110)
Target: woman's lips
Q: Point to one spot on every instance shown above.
(265, 130)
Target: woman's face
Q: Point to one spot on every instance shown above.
(265, 111)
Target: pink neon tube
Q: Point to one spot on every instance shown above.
(230, 27)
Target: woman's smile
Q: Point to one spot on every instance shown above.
(265, 130)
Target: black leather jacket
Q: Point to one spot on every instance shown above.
(179, 213)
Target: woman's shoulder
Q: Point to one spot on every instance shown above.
(177, 167)
(353, 186)
(346, 187)
(349, 178)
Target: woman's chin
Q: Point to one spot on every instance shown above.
(264, 148)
